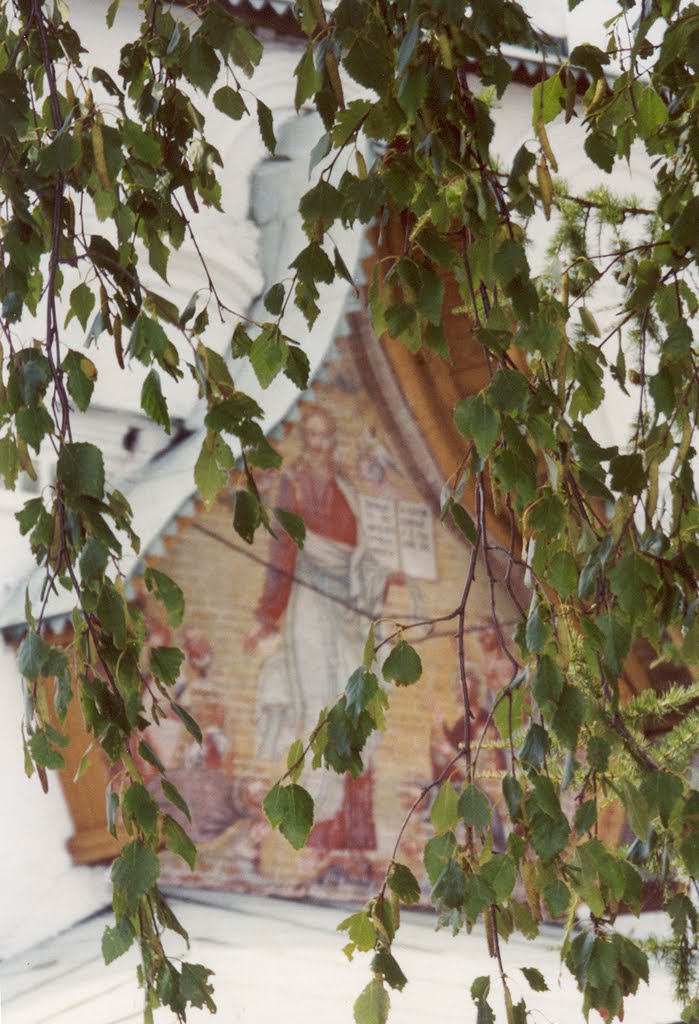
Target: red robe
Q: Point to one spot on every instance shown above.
(326, 511)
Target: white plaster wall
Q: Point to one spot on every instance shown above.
(41, 892)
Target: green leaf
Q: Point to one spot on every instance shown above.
(308, 77)
(290, 808)
(601, 149)
(165, 664)
(547, 516)
(598, 751)
(535, 746)
(33, 376)
(373, 1004)
(360, 929)
(117, 941)
(509, 392)
(177, 840)
(535, 978)
(557, 898)
(450, 887)
(148, 754)
(246, 50)
(213, 467)
(399, 318)
(407, 46)
(369, 60)
(82, 302)
(293, 525)
(617, 634)
(548, 99)
(386, 964)
(546, 796)
(60, 155)
(362, 687)
(274, 299)
(148, 339)
(139, 805)
(28, 516)
(404, 883)
(32, 656)
(153, 401)
(480, 988)
(549, 836)
(295, 760)
(437, 851)
(474, 807)
(342, 270)
(266, 125)
(141, 143)
(230, 102)
(512, 791)
(9, 464)
(44, 753)
(478, 421)
(511, 263)
(444, 811)
(627, 473)
(636, 808)
(370, 647)
(268, 355)
(662, 791)
(403, 665)
(297, 367)
(412, 92)
(168, 593)
(569, 716)
(33, 425)
(201, 63)
(548, 681)
(540, 337)
(430, 298)
(585, 817)
(464, 522)
(538, 632)
(82, 373)
(313, 264)
(274, 805)
(112, 612)
(187, 720)
(172, 793)
(134, 873)
(589, 57)
(499, 872)
(246, 515)
(195, 986)
(437, 247)
(80, 469)
(651, 112)
(562, 573)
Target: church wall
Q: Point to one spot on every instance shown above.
(231, 677)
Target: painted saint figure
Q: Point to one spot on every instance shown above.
(309, 599)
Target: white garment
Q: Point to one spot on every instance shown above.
(322, 644)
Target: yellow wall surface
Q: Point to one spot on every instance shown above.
(244, 674)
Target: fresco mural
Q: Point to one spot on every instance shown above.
(273, 633)
(317, 592)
